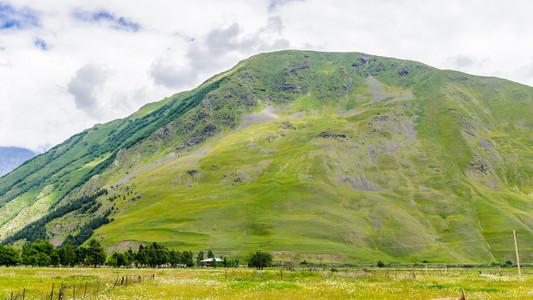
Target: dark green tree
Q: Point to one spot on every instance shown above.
(122, 260)
(175, 258)
(112, 259)
(82, 254)
(140, 257)
(187, 258)
(70, 254)
(200, 257)
(8, 256)
(96, 254)
(42, 259)
(54, 258)
(210, 254)
(39, 253)
(260, 260)
(29, 256)
(130, 256)
(157, 255)
(117, 260)
(61, 253)
(43, 246)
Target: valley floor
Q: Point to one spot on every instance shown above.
(107, 283)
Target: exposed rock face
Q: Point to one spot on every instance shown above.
(371, 153)
(327, 134)
(287, 125)
(359, 183)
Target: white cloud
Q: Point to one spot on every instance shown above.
(107, 18)
(71, 64)
(86, 85)
(216, 51)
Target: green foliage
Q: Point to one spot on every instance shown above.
(155, 255)
(231, 263)
(187, 258)
(200, 257)
(69, 254)
(39, 253)
(117, 260)
(95, 253)
(260, 260)
(8, 256)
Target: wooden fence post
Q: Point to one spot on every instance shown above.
(413, 270)
(516, 250)
(61, 291)
(52, 293)
(85, 292)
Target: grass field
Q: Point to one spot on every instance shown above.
(372, 283)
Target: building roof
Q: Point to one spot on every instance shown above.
(210, 260)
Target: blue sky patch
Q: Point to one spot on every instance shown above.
(41, 44)
(12, 18)
(108, 18)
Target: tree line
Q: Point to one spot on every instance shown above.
(37, 230)
(43, 253)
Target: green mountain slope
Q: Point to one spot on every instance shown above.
(325, 156)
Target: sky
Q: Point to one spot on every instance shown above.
(67, 65)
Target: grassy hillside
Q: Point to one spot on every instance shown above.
(322, 156)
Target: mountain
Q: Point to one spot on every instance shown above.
(307, 155)
(12, 157)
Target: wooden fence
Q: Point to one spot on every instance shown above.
(78, 291)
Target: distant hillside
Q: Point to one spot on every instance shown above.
(308, 155)
(12, 157)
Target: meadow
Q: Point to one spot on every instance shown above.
(274, 283)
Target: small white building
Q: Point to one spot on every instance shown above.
(209, 261)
